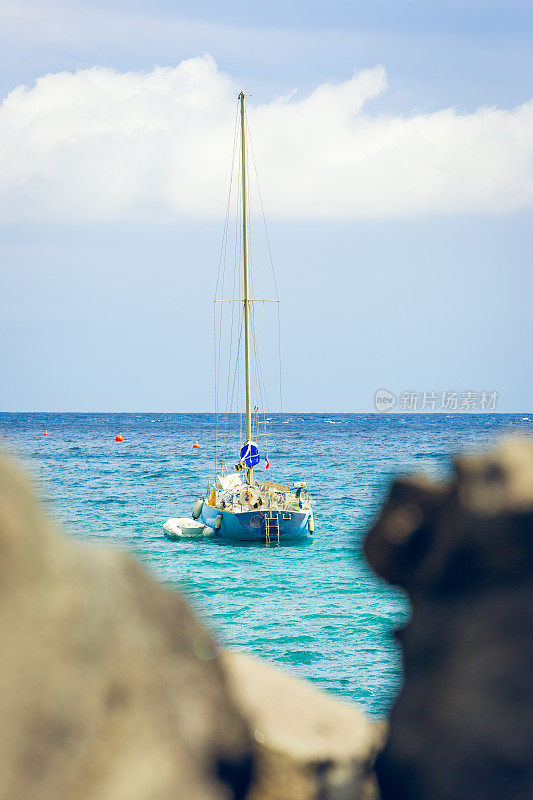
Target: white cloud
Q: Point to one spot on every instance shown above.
(103, 145)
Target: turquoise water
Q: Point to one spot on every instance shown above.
(314, 609)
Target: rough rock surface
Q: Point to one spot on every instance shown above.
(462, 726)
(309, 746)
(110, 688)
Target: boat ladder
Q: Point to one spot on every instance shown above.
(272, 528)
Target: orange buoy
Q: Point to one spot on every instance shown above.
(196, 446)
(46, 433)
(119, 438)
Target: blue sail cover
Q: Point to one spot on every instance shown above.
(250, 454)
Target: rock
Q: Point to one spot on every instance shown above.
(461, 727)
(308, 744)
(110, 688)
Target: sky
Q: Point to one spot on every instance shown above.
(394, 148)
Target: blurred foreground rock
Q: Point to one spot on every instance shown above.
(308, 745)
(462, 726)
(111, 689)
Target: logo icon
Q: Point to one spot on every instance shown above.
(384, 400)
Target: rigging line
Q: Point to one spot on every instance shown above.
(257, 339)
(222, 265)
(239, 267)
(251, 300)
(256, 345)
(256, 350)
(241, 403)
(266, 439)
(258, 396)
(241, 394)
(256, 360)
(265, 406)
(216, 382)
(254, 366)
(237, 362)
(263, 214)
(235, 311)
(260, 379)
(235, 293)
(261, 387)
(217, 368)
(256, 332)
(263, 382)
(240, 262)
(234, 376)
(251, 262)
(222, 259)
(282, 431)
(246, 202)
(228, 212)
(281, 425)
(230, 354)
(265, 401)
(257, 388)
(229, 194)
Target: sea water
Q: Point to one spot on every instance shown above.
(315, 609)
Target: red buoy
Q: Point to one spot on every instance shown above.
(119, 438)
(196, 446)
(46, 433)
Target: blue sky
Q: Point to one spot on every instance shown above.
(408, 271)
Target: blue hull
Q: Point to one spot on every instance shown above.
(251, 526)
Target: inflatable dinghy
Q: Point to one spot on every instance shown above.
(186, 528)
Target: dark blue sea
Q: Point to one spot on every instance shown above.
(316, 610)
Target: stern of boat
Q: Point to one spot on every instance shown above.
(265, 525)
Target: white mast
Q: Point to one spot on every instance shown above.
(246, 276)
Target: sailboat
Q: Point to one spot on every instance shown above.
(239, 505)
